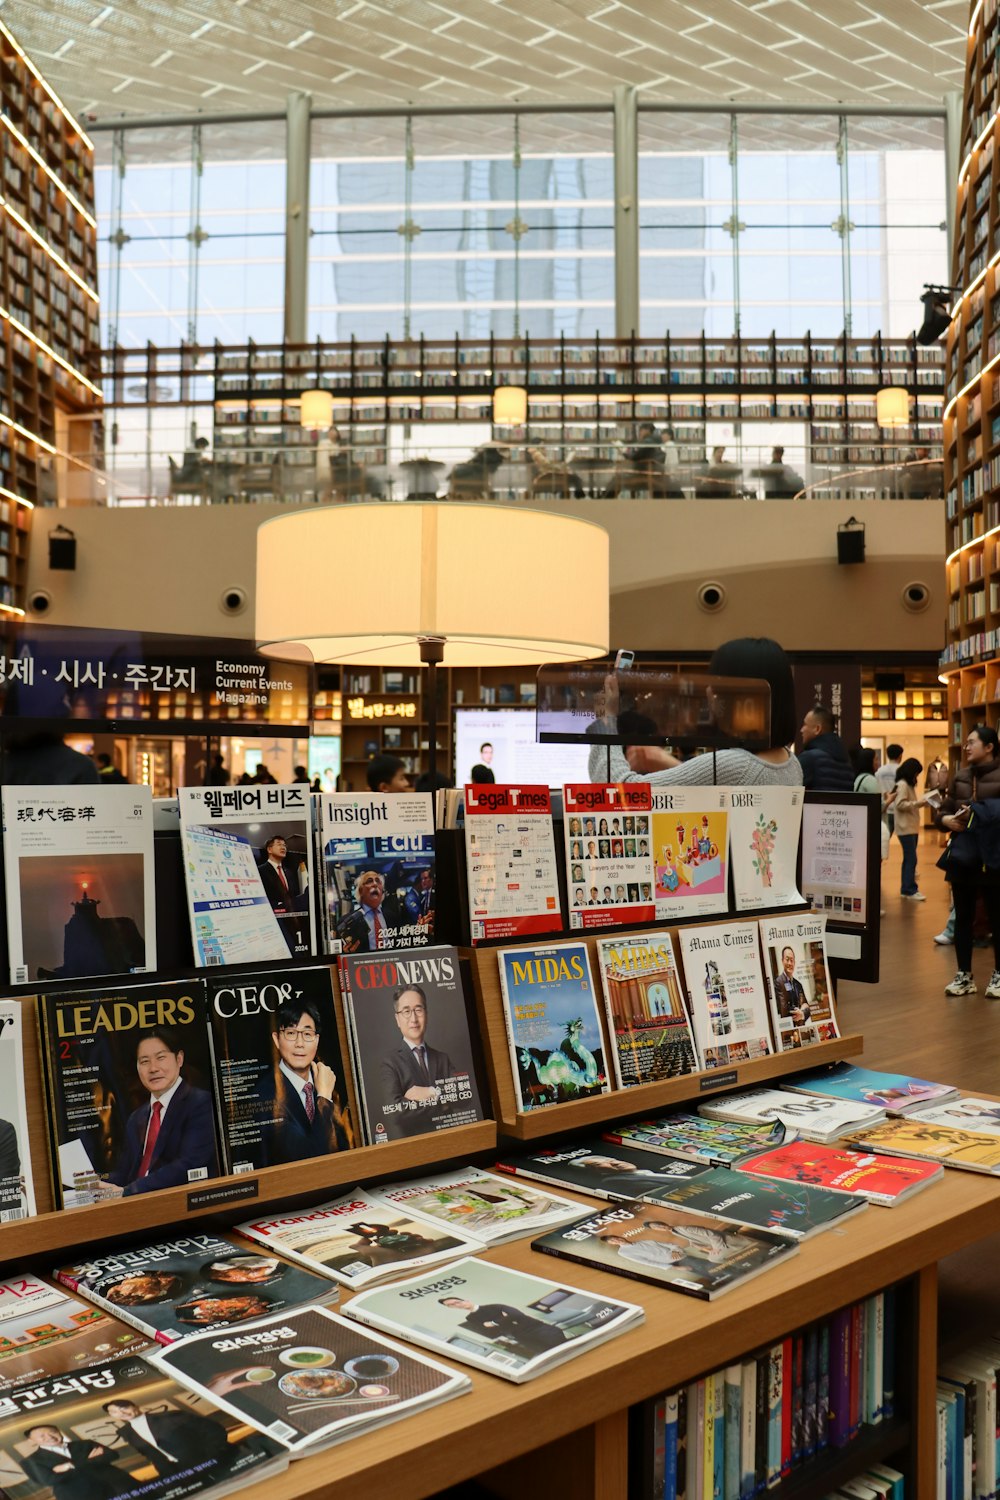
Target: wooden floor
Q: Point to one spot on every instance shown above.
(911, 1026)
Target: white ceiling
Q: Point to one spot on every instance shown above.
(154, 57)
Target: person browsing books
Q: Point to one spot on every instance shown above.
(499, 1323)
(72, 1468)
(968, 872)
(300, 1093)
(170, 1138)
(372, 923)
(774, 766)
(412, 1075)
(789, 996)
(170, 1440)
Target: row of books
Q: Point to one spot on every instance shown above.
(968, 1442)
(741, 1430)
(273, 872)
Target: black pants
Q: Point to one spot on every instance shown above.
(965, 893)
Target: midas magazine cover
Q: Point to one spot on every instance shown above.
(280, 1075)
(413, 1053)
(248, 864)
(130, 1087)
(378, 865)
(173, 1287)
(494, 1318)
(79, 876)
(692, 1253)
(123, 1429)
(553, 1026)
(45, 1331)
(309, 1378)
(17, 1189)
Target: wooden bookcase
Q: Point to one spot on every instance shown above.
(48, 303)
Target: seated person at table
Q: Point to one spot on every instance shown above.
(475, 477)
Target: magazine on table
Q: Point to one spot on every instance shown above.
(928, 1140)
(78, 862)
(358, 1239)
(130, 1087)
(17, 1184)
(798, 980)
(248, 864)
(409, 1027)
(510, 859)
(647, 1019)
(553, 1024)
(726, 995)
(486, 1315)
(694, 1253)
(717, 1143)
(489, 1208)
(807, 1115)
(896, 1093)
(279, 1073)
(886, 1180)
(309, 1378)
(125, 1428)
(601, 1168)
(794, 1210)
(378, 870)
(46, 1331)
(764, 827)
(171, 1288)
(965, 1113)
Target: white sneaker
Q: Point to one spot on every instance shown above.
(992, 991)
(944, 940)
(913, 896)
(964, 984)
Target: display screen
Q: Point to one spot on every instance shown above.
(513, 753)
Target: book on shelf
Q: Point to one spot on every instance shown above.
(46, 1331)
(885, 1180)
(698, 1254)
(171, 1287)
(17, 1186)
(648, 1023)
(553, 1024)
(78, 864)
(798, 981)
(129, 1079)
(807, 1116)
(510, 860)
(248, 868)
(480, 1205)
(280, 1078)
(896, 1093)
(496, 1319)
(689, 1136)
(358, 1239)
(764, 827)
(726, 996)
(109, 1430)
(409, 1027)
(926, 1140)
(378, 869)
(309, 1378)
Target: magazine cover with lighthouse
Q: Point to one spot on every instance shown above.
(726, 993)
(78, 862)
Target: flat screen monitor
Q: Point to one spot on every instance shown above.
(515, 754)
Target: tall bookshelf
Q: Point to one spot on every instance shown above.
(48, 300)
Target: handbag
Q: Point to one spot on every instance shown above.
(961, 854)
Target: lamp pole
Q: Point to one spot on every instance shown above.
(431, 652)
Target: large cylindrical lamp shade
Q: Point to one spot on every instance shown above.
(363, 583)
(316, 410)
(510, 406)
(892, 407)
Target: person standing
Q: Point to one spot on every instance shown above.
(826, 766)
(886, 778)
(965, 869)
(906, 807)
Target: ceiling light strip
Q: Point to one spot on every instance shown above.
(23, 140)
(44, 245)
(85, 138)
(47, 349)
(32, 436)
(19, 499)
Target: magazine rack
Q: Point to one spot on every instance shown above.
(644, 1098)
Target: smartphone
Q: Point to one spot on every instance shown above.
(624, 660)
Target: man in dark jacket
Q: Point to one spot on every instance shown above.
(826, 766)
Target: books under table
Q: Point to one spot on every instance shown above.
(486, 1315)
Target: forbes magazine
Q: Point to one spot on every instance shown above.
(378, 867)
(553, 1025)
(280, 1075)
(414, 1070)
(130, 1089)
(79, 869)
(248, 864)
